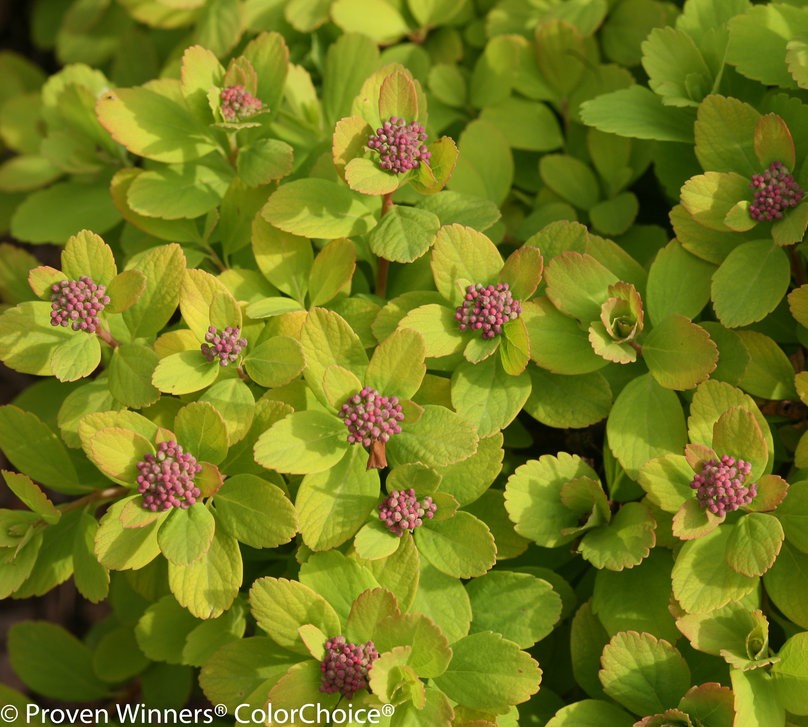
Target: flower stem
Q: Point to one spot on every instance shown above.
(797, 265)
(106, 337)
(384, 264)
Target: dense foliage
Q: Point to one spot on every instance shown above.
(441, 354)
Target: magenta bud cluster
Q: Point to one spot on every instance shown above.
(238, 103)
(400, 145)
(345, 666)
(401, 510)
(223, 346)
(721, 485)
(775, 191)
(486, 308)
(371, 417)
(78, 303)
(166, 479)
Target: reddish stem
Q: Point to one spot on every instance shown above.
(106, 337)
(384, 264)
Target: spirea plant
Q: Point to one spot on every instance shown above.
(439, 361)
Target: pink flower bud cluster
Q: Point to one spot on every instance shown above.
(400, 145)
(226, 346)
(346, 666)
(78, 303)
(238, 103)
(401, 510)
(166, 479)
(486, 308)
(720, 486)
(775, 191)
(371, 417)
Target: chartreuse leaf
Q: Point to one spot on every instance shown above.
(793, 515)
(85, 253)
(591, 713)
(155, 122)
(489, 673)
(404, 234)
(27, 339)
(184, 373)
(520, 606)
(462, 253)
(679, 354)
(201, 430)
(197, 295)
(317, 208)
(163, 268)
(337, 578)
(53, 662)
(90, 577)
(750, 283)
(646, 421)
(790, 673)
(332, 505)
(514, 349)
(786, 585)
(378, 19)
(678, 282)
(116, 452)
(754, 543)
(557, 342)
(397, 366)
(571, 179)
(208, 586)
(736, 432)
(485, 166)
(338, 385)
(242, 504)
(302, 443)
(275, 362)
(487, 396)
(568, 402)
(274, 306)
(702, 581)
(624, 542)
(644, 674)
(161, 631)
(120, 548)
(438, 327)
(33, 497)
(756, 700)
(469, 479)
(666, 481)
(281, 607)
(374, 541)
(130, 374)
(234, 401)
(263, 161)
(332, 271)
(769, 373)
(709, 197)
(186, 534)
(76, 357)
(394, 681)
(438, 438)
(461, 547)
(284, 259)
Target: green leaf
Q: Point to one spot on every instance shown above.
(489, 673)
(349, 61)
(791, 673)
(623, 543)
(31, 446)
(264, 161)
(377, 19)
(638, 112)
(736, 432)
(646, 421)
(702, 581)
(201, 430)
(281, 607)
(274, 306)
(750, 283)
(242, 504)
(568, 402)
(397, 97)
(467, 480)
(284, 259)
(438, 327)
(711, 196)
(578, 285)
(184, 373)
(793, 515)
(462, 253)
(725, 129)
(644, 674)
(756, 701)
(332, 505)
(514, 349)
(186, 535)
(461, 547)
(397, 366)
(533, 498)
(120, 548)
(754, 544)
(163, 268)
(163, 630)
(571, 179)
(317, 208)
(679, 354)
(591, 713)
(91, 578)
(32, 496)
(616, 215)
(374, 541)
(269, 57)
(130, 374)
(453, 207)
(275, 362)
(769, 373)
(404, 234)
(208, 586)
(525, 124)
(116, 452)
(203, 299)
(557, 342)
(302, 443)
(87, 254)
(439, 438)
(676, 68)
(53, 662)
(234, 401)
(76, 357)
(520, 606)
(337, 578)
(332, 271)
(678, 282)
(487, 396)
(485, 167)
(792, 227)
(666, 480)
(366, 177)
(154, 122)
(787, 586)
